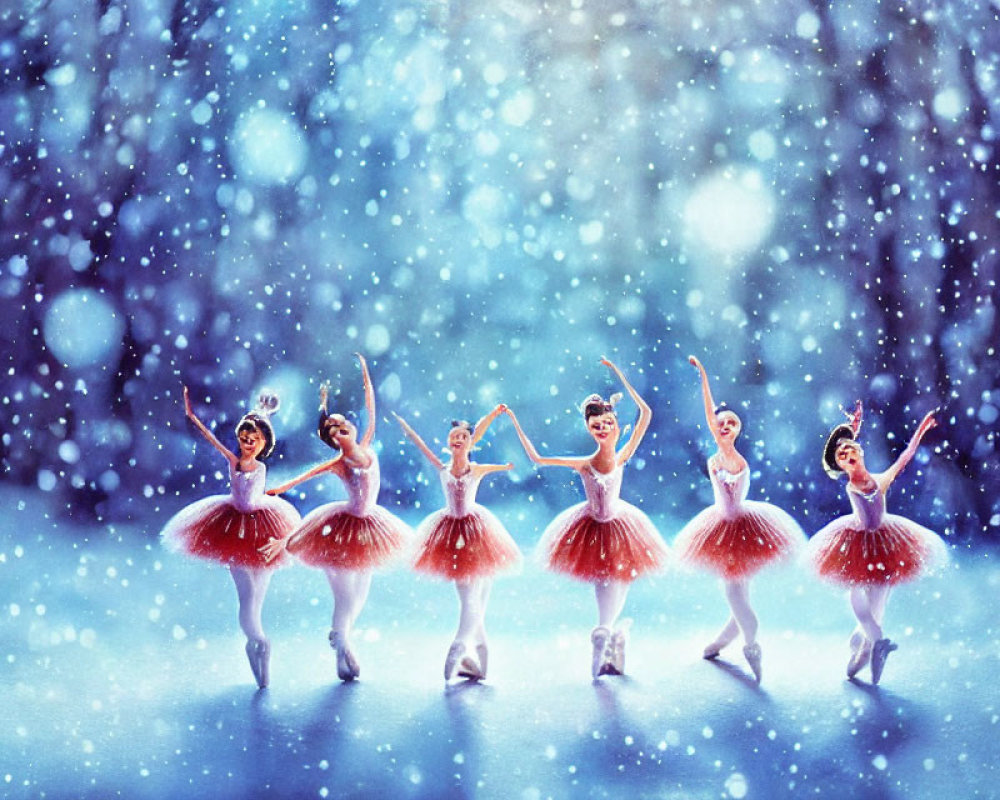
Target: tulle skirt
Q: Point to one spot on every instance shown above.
(897, 551)
(214, 528)
(461, 548)
(738, 546)
(620, 549)
(331, 536)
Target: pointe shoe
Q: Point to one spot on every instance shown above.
(857, 639)
(347, 665)
(600, 638)
(455, 654)
(469, 669)
(860, 655)
(752, 654)
(880, 652)
(259, 656)
(712, 651)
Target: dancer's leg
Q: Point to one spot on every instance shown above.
(470, 615)
(861, 604)
(611, 597)
(251, 588)
(738, 597)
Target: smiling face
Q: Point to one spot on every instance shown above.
(459, 440)
(603, 427)
(251, 439)
(338, 431)
(850, 457)
(728, 424)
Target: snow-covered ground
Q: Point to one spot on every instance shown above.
(124, 675)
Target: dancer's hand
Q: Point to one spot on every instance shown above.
(273, 549)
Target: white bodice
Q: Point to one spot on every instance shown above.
(602, 491)
(459, 491)
(730, 489)
(247, 487)
(869, 507)
(362, 487)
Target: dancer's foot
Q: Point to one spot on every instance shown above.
(259, 656)
(347, 665)
(469, 669)
(880, 652)
(861, 653)
(712, 651)
(752, 654)
(600, 638)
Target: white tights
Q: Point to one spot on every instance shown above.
(742, 619)
(868, 604)
(350, 591)
(251, 587)
(610, 601)
(473, 595)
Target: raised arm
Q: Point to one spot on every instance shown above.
(369, 436)
(327, 466)
(532, 453)
(854, 417)
(414, 437)
(645, 415)
(203, 429)
(485, 423)
(887, 477)
(706, 396)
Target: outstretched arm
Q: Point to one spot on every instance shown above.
(327, 466)
(529, 448)
(706, 396)
(486, 469)
(485, 423)
(203, 429)
(369, 436)
(414, 437)
(645, 415)
(887, 477)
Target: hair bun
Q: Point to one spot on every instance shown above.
(591, 400)
(268, 403)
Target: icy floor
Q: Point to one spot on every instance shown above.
(124, 675)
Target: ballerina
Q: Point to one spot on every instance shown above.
(734, 537)
(604, 541)
(464, 542)
(871, 551)
(350, 538)
(231, 528)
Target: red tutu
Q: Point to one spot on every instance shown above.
(620, 549)
(215, 529)
(739, 545)
(897, 551)
(461, 548)
(331, 536)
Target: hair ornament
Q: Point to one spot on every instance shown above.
(268, 403)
